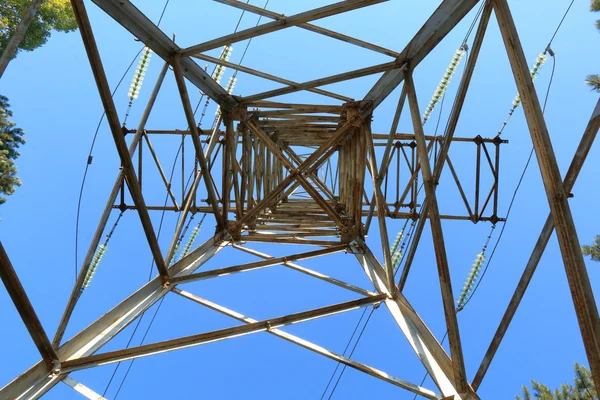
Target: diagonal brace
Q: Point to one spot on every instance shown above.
(313, 347)
(89, 42)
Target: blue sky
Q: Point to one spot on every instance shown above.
(54, 100)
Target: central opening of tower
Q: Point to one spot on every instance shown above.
(301, 172)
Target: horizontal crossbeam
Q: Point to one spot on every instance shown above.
(313, 347)
(318, 13)
(209, 337)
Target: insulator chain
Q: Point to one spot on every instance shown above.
(138, 77)
(99, 255)
(443, 85)
(472, 278)
(535, 71)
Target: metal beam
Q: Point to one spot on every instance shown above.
(19, 297)
(458, 363)
(276, 150)
(581, 154)
(344, 76)
(115, 126)
(297, 19)
(132, 19)
(310, 164)
(214, 336)
(189, 115)
(441, 22)
(76, 292)
(269, 77)
(313, 347)
(579, 282)
(308, 272)
(36, 381)
(82, 389)
(383, 168)
(425, 345)
(380, 203)
(256, 265)
(310, 27)
(459, 100)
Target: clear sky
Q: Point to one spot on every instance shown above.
(54, 99)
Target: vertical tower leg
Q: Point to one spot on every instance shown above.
(579, 283)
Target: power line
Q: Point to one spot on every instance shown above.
(161, 224)
(89, 162)
(507, 215)
(406, 241)
(553, 55)
(514, 193)
(90, 157)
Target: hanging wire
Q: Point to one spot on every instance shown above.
(202, 94)
(474, 289)
(472, 293)
(90, 156)
(514, 194)
(553, 55)
(539, 62)
(475, 19)
(89, 162)
(406, 239)
(159, 231)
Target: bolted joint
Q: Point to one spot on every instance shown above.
(122, 207)
(239, 113)
(294, 172)
(560, 195)
(56, 368)
(235, 232)
(498, 140)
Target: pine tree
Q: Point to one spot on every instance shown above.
(594, 80)
(593, 250)
(583, 388)
(10, 140)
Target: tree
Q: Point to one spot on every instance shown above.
(583, 388)
(52, 15)
(593, 250)
(10, 140)
(594, 80)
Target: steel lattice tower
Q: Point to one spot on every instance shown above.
(262, 179)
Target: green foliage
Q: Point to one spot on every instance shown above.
(53, 15)
(593, 250)
(582, 389)
(593, 81)
(10, 140)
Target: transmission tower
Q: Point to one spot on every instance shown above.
(312, 175)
